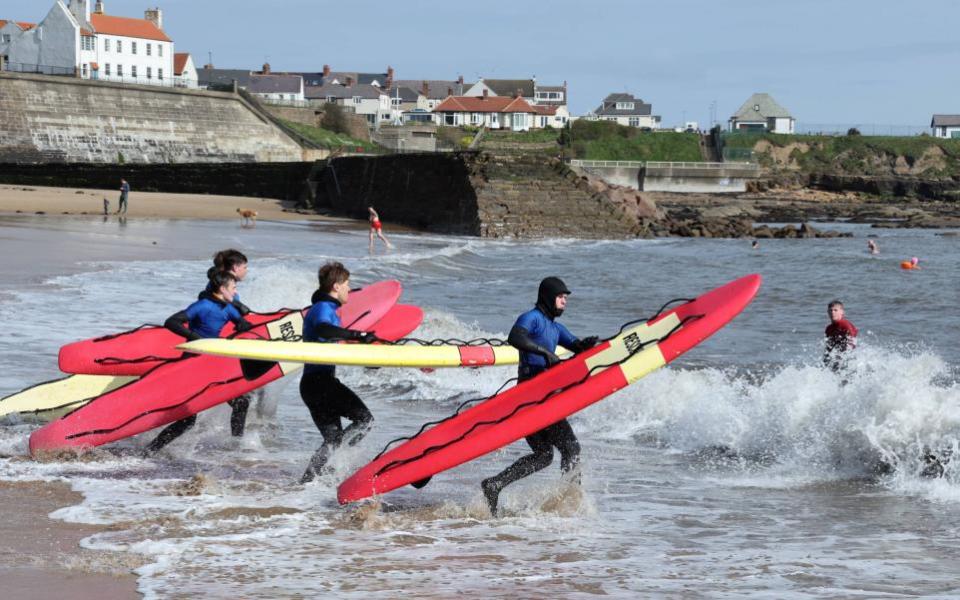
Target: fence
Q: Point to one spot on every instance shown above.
(872, 129)
(615, 164)
(175, 82)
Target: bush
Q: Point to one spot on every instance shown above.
(853, 131)
(334, 119)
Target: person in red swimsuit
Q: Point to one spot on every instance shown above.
(376, 228)
(841, 335)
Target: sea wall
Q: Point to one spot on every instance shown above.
(47, 119)
(472, 193)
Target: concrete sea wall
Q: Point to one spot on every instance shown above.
(46, 119)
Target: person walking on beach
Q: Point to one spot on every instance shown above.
(327, 399)
(376, 228)
(124, 193)
(536, 335)
(233, 262)
(205, 318)
(840, 336)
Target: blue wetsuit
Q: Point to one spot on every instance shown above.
(208, 293)
(327, 399)
(544, 332)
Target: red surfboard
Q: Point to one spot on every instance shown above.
(553, 395)
(182, 387)
(137, 351)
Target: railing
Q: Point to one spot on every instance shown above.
(621, 164)
(177, 82)
(699, 165)
(295, 103)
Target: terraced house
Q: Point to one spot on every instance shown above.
(73, 40)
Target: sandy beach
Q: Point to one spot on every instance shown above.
(41, 557)
(72, 201)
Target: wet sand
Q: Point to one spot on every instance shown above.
(73, 201)
(41, 557)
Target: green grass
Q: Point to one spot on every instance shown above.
(854, 154)
(606, 140)
(329, 139)
(533, 136)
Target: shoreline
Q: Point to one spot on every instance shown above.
(42, 557)
(31, 200)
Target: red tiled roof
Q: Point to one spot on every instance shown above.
(23, 24)
(135, 28)
(544, 110)
(490, 104)
(180, 62)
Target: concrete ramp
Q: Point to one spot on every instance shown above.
(697, 177)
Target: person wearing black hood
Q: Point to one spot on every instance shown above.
(536, 334)
(328, 400)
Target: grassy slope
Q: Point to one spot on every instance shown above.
(329, 139)
(857, 155)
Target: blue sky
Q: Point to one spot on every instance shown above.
(830, 62)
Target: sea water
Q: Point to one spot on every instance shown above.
(744, 468)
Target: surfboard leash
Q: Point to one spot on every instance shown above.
(128, 332)
(427, 451)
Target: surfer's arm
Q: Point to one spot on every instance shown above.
(331, 332)
(242, 308)
(177, 324)
(236, 315)
(520, 339)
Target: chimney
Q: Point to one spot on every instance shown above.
(486, 92)
(349, 81)
(518, 93)
(326, 70)
(388, 84)
(449, 91)
(80, 9)
(98, 7)
(425, 90)
(155, 16)
(266, 68)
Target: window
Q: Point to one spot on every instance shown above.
(119, 46)
(544, 121)
(106, 69)
(133, 47)
(149, 74)
(160, 74)
(133, 71)
(119, 69)
(87, 42)
(395, 101)
(357, 99)
(634, 121)
(6, 38)
(331, 99)
(519, 120)
(624, 105)
(84, 69)
(475, 118)
(449, 118)
(149, 47)
(159, 49)
(106, 44)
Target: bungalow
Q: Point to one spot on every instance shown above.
(276, 86)
(945, 126)
(73, 40)
(550, 116)
(184, 70)
(627, 110)
(762, 113)
(493, 112)
(529, 90)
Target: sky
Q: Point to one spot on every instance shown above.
(836, 62)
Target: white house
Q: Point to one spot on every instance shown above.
(184, 70)
(945, 126)
(627, 110)
(492, 112)
(762, 113)
(73, 40)
(276, 86)
(363, 99)
(529, 90)
(550, 116)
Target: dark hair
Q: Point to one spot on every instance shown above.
(218, 279)
(226, 260)
(835, 303)
(331, 274)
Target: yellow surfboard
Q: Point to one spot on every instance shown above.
(360, 355)
(52, 399)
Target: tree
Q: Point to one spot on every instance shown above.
(334, 119)
(853, 131)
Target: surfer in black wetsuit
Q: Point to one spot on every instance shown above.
(234, 262)
(536, 334)
(205, 317)
(328, 400)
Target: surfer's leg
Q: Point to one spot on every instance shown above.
(170, 433)
(562, 436)
(348, 405)
(313, 392)
(524, 467)
(238, 418)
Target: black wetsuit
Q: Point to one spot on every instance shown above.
(328, 400)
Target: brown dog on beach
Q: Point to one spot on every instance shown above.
(248, 218)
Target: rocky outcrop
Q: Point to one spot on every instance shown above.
(910, 187)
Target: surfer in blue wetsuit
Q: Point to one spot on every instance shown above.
(205, 318)
(328, 400)
(233, 262)
(536, 334)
